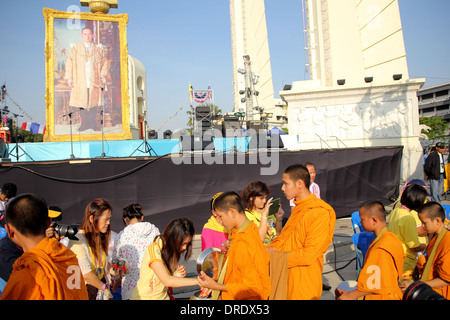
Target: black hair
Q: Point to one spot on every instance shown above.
(252, 190)
(172, 237)
(374, 207)
(299, 172)
(9, 190)
(28, 213)
(433, 210)
(413, 197)
(227, 200)
(132, 211)
(306, 164)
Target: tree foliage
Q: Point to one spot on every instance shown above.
(438, 127)
(26, 136)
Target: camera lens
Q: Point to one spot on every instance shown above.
(66, 231)
(421, 291)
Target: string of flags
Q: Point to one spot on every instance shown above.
(172, 117)
(18, 106)
(199, 96)
(28, 126)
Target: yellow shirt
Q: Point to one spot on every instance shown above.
(149, 287)
(256, 218)
(404, 225)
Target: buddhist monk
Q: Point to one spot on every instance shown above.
(383, 264)
(305, 237)
(47, 270)
(247, 265)
(434, 268)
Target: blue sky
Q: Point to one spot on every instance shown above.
(189, 41)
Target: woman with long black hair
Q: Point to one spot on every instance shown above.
(160, 269)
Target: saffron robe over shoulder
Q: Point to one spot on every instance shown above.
(441, 263)
(306, 236)
(383, 268)
(247, 273)
(49, 271)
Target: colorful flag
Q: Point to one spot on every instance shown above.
(200, 96)
(209, 92)
(26, 126)
(33, 127)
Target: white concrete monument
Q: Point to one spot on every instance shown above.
(137, 84)
(359, 93)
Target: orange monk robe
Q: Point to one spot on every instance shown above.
(306, 235)
(441, 263)
(383, 268)
(247, 273)
(47, 272)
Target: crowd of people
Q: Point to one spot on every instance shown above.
(263, 256)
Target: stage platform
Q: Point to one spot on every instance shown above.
(55, 151)
(176, 183)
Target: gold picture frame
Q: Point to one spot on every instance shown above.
(78, 109)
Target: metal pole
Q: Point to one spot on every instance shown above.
(71, 139)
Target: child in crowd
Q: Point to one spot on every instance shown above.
(434, 267)
(213, 234)
(383, 264)
(246, 270)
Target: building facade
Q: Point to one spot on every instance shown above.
(434, 101)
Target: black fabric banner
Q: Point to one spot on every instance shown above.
(170, 187)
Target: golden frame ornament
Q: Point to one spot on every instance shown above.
(63, 127)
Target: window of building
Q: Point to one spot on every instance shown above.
(442, 93)
(427, 96)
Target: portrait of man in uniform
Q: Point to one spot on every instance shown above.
(87, 67)
(86, 72)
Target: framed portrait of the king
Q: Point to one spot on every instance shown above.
(86, 76)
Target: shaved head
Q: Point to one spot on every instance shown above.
(432, 210)
(374, 209)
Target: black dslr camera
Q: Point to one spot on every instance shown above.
(421, 291)
(62, 230)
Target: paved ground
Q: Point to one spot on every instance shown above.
(339, 260)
